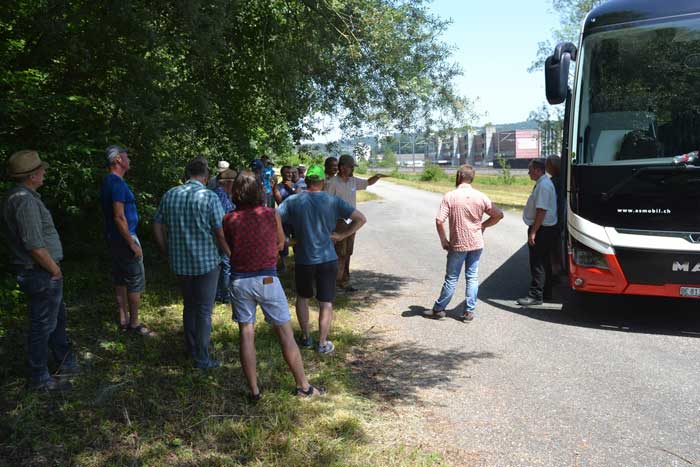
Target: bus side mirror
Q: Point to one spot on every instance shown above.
(556, 72)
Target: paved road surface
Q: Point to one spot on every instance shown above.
(603, 382)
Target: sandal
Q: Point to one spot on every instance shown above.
(311, 392)
(141, 330)
(123, 327)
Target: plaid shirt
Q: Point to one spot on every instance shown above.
(29, 226)
(191, 212)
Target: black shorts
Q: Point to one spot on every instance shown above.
(127, 271)
(321, 275)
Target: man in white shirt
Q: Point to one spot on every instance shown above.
(345, 186)
(540, 215)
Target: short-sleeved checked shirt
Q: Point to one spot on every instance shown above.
(29, 226)
(191, 212)
(465, 207)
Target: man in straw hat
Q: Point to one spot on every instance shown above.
(35, 253)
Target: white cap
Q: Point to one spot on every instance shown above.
(222, 165)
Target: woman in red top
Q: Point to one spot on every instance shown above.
(254, 235)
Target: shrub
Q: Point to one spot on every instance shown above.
(506, 177)
(361, 167)
(433, 173)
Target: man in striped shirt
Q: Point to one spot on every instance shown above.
(188, 225)
(465, 208)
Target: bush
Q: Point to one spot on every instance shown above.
(361, 167)
(433, 173)
(389, 159)
(506, 177)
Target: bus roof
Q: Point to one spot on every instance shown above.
(616, 12)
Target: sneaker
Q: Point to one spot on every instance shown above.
(306, 342)
(326, 348)
(52, 384)
(439, 314)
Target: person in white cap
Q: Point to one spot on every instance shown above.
(221, 166)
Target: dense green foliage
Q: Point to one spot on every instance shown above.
(220, 78)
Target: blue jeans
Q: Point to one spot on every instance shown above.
(47, 323)
(455, 259)
(198, 294)
(222, 289)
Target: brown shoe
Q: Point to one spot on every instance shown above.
(468, 316)
(439, 314)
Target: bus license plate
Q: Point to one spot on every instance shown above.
(690, 292)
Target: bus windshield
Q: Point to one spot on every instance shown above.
(639, 90)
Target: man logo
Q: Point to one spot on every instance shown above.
(685, 267)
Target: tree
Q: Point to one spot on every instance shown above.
(217, 78)
(571, 16)
(550, 122)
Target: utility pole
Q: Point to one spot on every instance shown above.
(413, 149)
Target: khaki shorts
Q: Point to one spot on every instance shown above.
(346, 246)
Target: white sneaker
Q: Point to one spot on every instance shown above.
(327, 348)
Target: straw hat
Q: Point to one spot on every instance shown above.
(23, 163)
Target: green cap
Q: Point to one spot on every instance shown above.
(315, 173)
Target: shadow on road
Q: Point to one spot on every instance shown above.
(412, 368)
(648, 315)
(375, 286)
(419, 310)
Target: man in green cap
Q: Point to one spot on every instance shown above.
(313, 214)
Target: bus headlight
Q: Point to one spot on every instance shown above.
(587, 257)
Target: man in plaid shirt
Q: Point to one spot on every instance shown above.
(188, 225)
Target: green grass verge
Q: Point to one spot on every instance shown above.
(364, 195)
(138, 401)
(514, 195)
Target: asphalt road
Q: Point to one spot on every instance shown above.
(585, 381)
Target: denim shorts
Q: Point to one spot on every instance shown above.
(266, 291)
(127, 270)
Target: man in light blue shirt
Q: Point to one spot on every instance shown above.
(313, 215)
(540, 215)
(188, 225)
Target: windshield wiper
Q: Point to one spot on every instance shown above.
(680, 164)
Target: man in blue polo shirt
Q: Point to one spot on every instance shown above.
(313, 216)
(121, 220)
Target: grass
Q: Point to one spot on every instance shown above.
(138, 401)
(514, 195)
(364, 195)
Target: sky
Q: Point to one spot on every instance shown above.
(495, 42)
